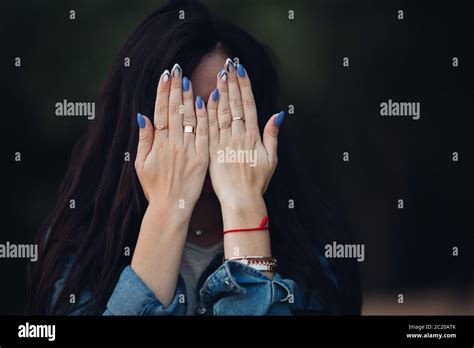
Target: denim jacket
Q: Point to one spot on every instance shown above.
(229, 288)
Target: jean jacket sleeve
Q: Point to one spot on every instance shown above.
(131, 296)
(237, 289)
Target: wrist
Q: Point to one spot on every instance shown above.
(243, 212)
(180, 213)
(164, 221)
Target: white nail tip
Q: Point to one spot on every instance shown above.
(166, 75)
(223, 75)
(176, 69)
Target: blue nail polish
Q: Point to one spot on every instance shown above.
(279, 118)
(141, 120)
(240, 70)
(185, 84)
(199, 102)
(215, 94)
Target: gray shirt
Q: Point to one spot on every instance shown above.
(194, 261)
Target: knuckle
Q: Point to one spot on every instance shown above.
(273, 132)
(176, 83)
(203, 131)
(212, 106)
(189, 118)
(250, 102)
(163, 91)
(163, 88)
(162, 108)
(174, 107)
(224, 124)
(236, 102)
(223, 88)
(245, 82)
(213, 122)
(144, 137)
(225, 111)
(175, 147)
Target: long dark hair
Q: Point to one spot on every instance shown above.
(109, 200)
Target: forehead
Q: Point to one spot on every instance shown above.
(204, 77)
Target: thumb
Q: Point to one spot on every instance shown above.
(270, 135)
(145, 140)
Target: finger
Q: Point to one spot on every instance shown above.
(161, 105)
(238, 128)
(189, 118)
(223, 108)
(202, 129)
(270, 135)
(145, 140)
(176, 109)
(212, 118)
(248, 101)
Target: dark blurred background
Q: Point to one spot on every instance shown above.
(408, 251)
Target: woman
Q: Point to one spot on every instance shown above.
(148, 239)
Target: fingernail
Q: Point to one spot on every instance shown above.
(229, 65)
(199, 102)
(240, 70)
(185, 84)
(223, 75)
(176, 71)
(279, 118)
(215, 94)
(141, 120)
(166, 75)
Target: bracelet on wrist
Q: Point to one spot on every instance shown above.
(262, 227)
(260, 263)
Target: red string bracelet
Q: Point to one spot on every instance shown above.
(261, 227)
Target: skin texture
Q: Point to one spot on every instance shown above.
(172, 169)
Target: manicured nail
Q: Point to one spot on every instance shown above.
(166, 75)
(279, 118)
(240, 70)
(223, 75)
(229, 65)
(199, 102)
(176, 71)
(185, 84)
(141, 120)
(215, 94)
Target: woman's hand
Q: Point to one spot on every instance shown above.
(171, 164)
(241, 165)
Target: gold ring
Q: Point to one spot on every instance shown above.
(188, 129)
(161, 127)
(238, 118)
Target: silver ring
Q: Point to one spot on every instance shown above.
(188, 129)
